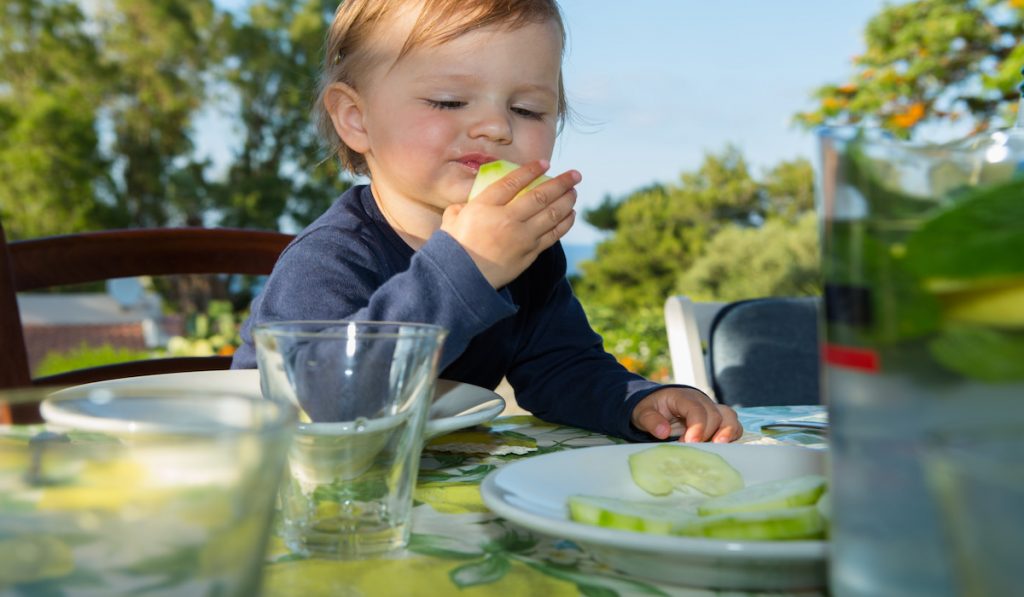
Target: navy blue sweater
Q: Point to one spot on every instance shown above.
(350, 264)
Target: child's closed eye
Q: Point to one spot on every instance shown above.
(527, 113)
(445, 104)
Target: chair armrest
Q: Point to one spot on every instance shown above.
(684, 344)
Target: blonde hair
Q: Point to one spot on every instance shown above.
(358, 22)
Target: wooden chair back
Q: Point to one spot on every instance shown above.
(97, 256)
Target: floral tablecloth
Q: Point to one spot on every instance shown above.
(459, 547)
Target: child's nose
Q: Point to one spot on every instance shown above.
(492, 124)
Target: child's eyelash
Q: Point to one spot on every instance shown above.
(445, 104)
(526, 113)
(455, 104)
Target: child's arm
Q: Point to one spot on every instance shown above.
(687, 413)
(562, 373)
(347, 265)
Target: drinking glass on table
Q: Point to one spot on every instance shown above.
(136, 490)
(923, 329)
(363, 389)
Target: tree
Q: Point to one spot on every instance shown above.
(271, 74)
(776, 259)
(98, 112)
(50, 160)
(718, 234)
(780, 257)
(663, 229)
(158, 53)
(928, 62)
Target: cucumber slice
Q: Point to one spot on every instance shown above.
(772, 495)
(630, 515)
(491, 172)
(803, 522)
(661, 469)
(825, 506)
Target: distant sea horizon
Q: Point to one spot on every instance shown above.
(574, 254)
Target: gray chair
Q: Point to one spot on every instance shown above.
(759, 352)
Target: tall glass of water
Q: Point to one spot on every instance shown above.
(924, 333)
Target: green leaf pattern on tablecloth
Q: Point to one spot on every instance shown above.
(487, 570)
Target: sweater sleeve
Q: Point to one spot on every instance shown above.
(327, 275)
(563, 374)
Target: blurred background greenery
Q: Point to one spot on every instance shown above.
(98, 106)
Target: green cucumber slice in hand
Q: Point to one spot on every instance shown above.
(629, 515)
(772, 495)
(491, 172)
(802, 522)
(661, 469)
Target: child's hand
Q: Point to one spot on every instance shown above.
(502, 236)
(687, 413)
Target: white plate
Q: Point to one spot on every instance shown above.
(456, 405)
(533, 493)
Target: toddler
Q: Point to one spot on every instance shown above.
(416, 94)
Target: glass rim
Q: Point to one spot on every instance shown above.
(57, 411)
(349, 328)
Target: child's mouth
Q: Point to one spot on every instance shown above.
(473, 162)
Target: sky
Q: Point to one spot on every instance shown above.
(661, 82)
(658, 83)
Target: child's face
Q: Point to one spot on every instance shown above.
(432, 118)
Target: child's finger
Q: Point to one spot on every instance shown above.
(730, 429)
(696, 429)
(541, 199)
(701, 418)
(549, 227)
(510, 185)
(653, 422)
(727, 433)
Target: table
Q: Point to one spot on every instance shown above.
(459, 547)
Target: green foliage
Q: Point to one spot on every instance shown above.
(99, 102)
(215, 331)
(86, 356)
(663, 229)
(639, 342)
(272, 69)
(50, 162)
(719, 234)
(777, 259)
(154, 58)
(605, 215)
(930, 61)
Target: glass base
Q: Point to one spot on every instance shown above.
(338, 539)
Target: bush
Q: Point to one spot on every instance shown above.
(638, 340)
(209, 333)
(85, 356)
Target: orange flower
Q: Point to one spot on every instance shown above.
(630, 363)
(832, 103)
(848, 88)
(226, 350)
(907, 118)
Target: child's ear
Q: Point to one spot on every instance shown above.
(345, 106)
